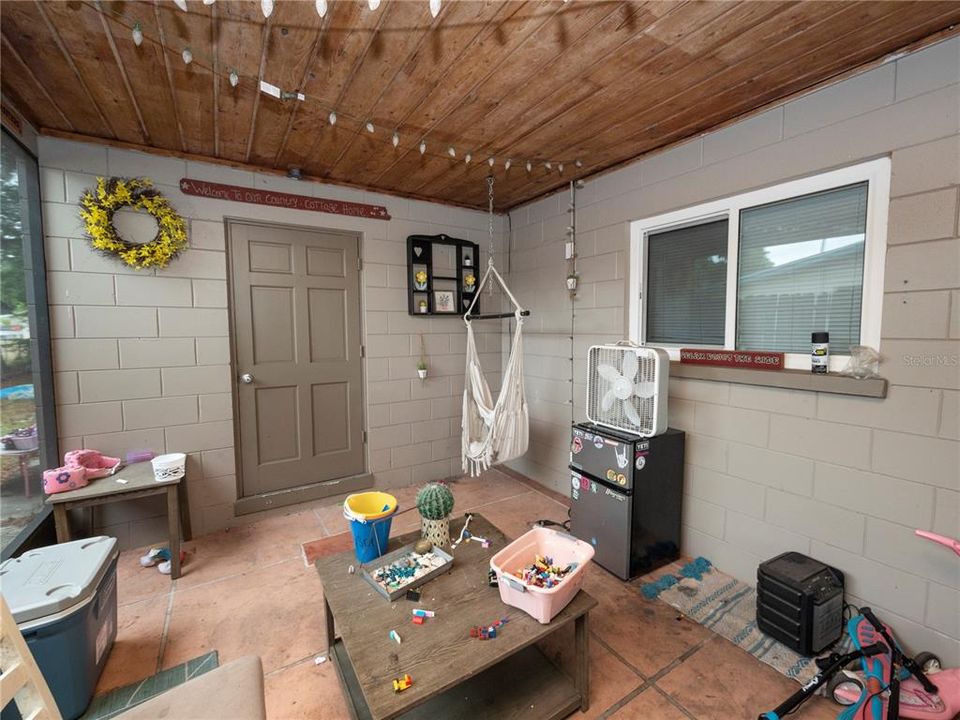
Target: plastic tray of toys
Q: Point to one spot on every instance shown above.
(403, 569)
(541, 571)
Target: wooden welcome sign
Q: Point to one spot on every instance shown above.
(238, 193)
(733, 358)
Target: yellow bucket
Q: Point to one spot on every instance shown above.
(369, 506)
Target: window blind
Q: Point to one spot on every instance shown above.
(801, 271)
(686, 284)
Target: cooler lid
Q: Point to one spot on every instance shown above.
(52, 579)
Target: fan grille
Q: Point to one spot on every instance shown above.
(647, 375)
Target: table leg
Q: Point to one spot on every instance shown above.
(582, 646)
(173, 518)
(62, 522)
(331, 637)
(25, 472)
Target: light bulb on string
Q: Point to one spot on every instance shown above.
(467, 158)
(396, 138)
(529, 166)
(209, 2)
(548, 165)
(332, 117)
(370, 127)
(452, 151)
(560, 168)
(373, 4)
(321, 6)
(266, 7)
(434, 7)
(187, 56)
(578, 163)
(234, 78)
(423, 146)
(182, 4)
(491, 161)
(137, 35)
(507, 164)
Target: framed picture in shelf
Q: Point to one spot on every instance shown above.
(443, 301)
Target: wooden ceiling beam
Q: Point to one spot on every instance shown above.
(265, 47)
(36, 81)
(165, 55)
(144, 133)
(68, 59)
(214, 41)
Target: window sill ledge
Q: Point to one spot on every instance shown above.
(788, 379)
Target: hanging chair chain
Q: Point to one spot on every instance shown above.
(490, 216)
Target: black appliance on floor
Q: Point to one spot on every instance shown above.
(800, 602)
(626, 492)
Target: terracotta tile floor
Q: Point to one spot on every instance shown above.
(247, 591)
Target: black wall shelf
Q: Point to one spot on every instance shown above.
(440, 269)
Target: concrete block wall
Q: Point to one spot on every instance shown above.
(142, 358)
(844, 479)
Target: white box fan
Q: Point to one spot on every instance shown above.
(627, 388)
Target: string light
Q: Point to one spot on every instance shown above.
(548, 165)
(137, 35)
(467, 158)
(370, 127)
(434, 7)
(452, 151)
(491, 160)
(182, 4)
(578, 163)
(507, 164)
(396, 138)
(209, 2)
(423, 146)
(332, 117)
(266, 7)
(373, 4)
(529, 166)
(234, 78)
(560, 168)
(321, 6)
(187, 56)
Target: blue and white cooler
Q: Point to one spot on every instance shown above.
(64, 600)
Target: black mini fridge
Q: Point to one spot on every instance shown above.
(626, 492)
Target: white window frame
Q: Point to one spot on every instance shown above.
(875, 172)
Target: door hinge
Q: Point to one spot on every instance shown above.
(364, 437)
(359, 263)
(363, 351)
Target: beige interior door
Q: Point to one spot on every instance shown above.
(296, 308)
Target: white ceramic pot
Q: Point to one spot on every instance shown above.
(422, 374)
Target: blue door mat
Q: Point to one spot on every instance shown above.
(112, 703)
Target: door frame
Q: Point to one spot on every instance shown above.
(305, 493)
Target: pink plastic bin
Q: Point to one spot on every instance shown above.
(541, 603)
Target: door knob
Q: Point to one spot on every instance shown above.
(246, 378)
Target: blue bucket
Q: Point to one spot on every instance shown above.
(370, 534)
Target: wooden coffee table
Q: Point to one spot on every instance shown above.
(453, 674)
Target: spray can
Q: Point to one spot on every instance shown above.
(820, 352)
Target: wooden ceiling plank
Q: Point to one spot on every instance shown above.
(447, 95)
(824, 57)
(265, 47)
(214, 46)
(165, 54)
(73, 67)
(466, 23)
(144, 133)
(535, 64)
(49, 101)
(307, 69)
(660, 67)
(656, 94)
(345, 42)
(366, 90)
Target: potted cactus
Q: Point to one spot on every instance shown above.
(435, 503)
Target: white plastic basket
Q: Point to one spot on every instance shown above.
(169, 467)
(541, 603)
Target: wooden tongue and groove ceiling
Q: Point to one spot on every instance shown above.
(543, 80)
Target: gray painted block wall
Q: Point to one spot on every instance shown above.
(142, 358)
(844, 479)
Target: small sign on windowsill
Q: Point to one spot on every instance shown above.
(751, 359)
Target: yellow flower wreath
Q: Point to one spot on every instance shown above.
(98, 206)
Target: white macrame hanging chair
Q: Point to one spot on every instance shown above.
(493, 432)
